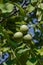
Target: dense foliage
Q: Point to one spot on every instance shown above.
(21, 32)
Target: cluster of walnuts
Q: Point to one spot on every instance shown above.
(22, 34)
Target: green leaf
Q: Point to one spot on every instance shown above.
(4, 63)
(22, 12)
(9, 7)
(40, 51)
(5, 49)
(41, 22)
(5, 1)
(6, 8)
(40, 17)
(22, 51)
(1, 1)
(40, 6)
(33, 1)
(10, 42)
(30, 8)
(10, 62)
(29, 63)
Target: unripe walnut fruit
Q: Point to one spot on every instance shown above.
(27, 37)
(24, 29)
(18, 36)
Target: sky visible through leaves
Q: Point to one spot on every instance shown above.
(21, 32)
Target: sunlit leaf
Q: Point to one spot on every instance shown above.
(33, 1)
(40, 51)
(6, 8)
(5, 49)
(30, 8)
(40, 6)
(22, 51)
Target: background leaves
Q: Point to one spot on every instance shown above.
(13, 14)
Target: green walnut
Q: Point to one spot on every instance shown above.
(18, 36)
(27, 37)
(24, 29)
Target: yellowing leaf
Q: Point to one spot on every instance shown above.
(40, 51)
